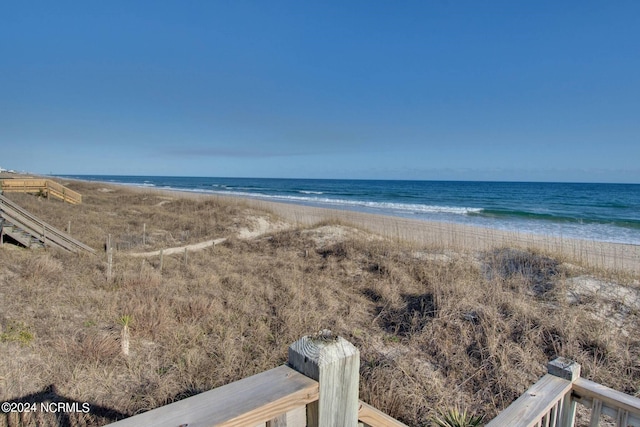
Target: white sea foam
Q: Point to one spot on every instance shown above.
(406, 208)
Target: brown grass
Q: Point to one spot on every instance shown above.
(436, 327)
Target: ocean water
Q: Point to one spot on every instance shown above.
(603, 212)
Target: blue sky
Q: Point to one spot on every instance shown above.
(470, 90)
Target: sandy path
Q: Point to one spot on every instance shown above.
(262, 226)
(181, 249)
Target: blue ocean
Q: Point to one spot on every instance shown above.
(602, 212)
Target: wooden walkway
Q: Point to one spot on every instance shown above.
(45, 187)
(30, 231)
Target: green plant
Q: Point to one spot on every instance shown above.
(126, 320)
(392, 338)
(17, 332)
(454, 418)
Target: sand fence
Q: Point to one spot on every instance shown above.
(614, 256)
(441, 235)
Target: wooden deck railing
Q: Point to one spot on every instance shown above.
(45, 186)
(318, 387)
(551, 402)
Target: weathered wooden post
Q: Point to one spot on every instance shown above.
(109, 259)
(144, 234)
(161, 260)
(568, 370)
(185, 257)
(335, 363)
(69, 228)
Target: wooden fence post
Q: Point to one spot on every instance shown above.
(335, 363)
(109, 259)
(161, 260)
(144, 234)
(568, 370)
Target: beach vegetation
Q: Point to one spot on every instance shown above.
(17, 332)
(435, 322)
(454, 417)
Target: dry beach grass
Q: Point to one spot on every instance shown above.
(456, 317)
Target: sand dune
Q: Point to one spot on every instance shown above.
(458, 236)
(614, 256)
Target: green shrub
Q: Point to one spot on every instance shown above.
(454, 418)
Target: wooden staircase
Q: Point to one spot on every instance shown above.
(19, 235)
(31, 232)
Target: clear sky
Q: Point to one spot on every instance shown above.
(429, 89)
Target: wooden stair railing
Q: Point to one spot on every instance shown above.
(15, 216)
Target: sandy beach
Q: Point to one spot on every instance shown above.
(612, 256)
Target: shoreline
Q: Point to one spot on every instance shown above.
(444, 235)
(617, 256)
(607, 255)
(511, 207)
